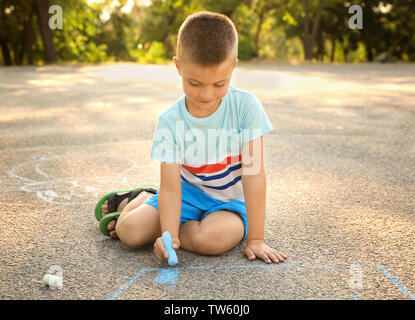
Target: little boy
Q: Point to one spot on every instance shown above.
(209, 143)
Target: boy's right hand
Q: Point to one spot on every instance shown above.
(161, 252)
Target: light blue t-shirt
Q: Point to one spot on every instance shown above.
(210, 149)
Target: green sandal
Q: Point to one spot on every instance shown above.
(103, 224)
(114, 199)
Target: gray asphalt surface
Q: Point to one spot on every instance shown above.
(340, 168)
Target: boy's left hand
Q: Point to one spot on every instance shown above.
(258, 249)
(161, 252)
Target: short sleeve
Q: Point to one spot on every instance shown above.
(255, 122)
(165, 148)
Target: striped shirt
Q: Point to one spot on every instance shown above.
(209, 149)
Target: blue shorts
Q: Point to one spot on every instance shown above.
(196, 205)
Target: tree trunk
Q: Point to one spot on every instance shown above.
(321, 50)
(29, 35)
(317, 20)
(346, 54)
(369, 52)
(258, 31)
(5, 52)
(20, 54)
(309, 39)
(306, 36)
(42, 12)
(18, 49)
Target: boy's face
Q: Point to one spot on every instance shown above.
(205, 86)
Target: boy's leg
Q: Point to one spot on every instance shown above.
(219, 232)
(138, 226)
(125, 206)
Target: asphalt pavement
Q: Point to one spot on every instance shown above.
(340, 175)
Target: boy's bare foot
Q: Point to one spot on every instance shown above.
(111, 225)
(138, 200)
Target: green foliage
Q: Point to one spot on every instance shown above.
(115, 34)
(79, 38)
(162, 20)
(13, 25)
(289, 19)
(245, 49)
(272, 29)
(227, 7)
(155, 54)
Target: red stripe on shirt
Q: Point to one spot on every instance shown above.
(209, 168)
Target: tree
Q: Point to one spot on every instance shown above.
(148, 33)
(308, 38)
(15, 30)
(227, 7)
(4, 26)
(161, 21)
(334, 29)
(262, 9)
(42, 12)
(401, 24)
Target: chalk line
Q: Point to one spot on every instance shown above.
(388, 275)
(170, 276)
(171, 279)
(61, 190)
(351, 296)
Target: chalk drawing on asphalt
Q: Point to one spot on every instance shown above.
(170, 277)
(33, 176)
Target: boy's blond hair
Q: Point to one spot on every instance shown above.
(207, 38)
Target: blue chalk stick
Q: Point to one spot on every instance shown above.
(167, 242)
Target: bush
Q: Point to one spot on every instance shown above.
(245, 49)
(155, 54)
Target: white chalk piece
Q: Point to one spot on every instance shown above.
(54, 282)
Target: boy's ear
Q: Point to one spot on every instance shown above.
(176, 62)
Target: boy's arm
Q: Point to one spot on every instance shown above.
(170, 198)
(254, 186)
(170, 202)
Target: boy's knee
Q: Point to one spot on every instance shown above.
(128, 233)
(211, 242)
(137, 201)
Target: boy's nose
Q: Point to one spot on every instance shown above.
(206, 96)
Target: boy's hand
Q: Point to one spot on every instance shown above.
(258, 249)
(161, 252)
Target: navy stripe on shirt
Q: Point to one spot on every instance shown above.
(218, 176)
(230, 184)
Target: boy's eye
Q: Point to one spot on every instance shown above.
(216, 85)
